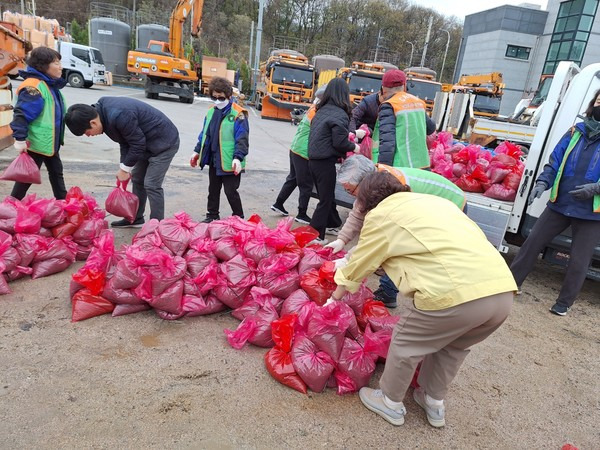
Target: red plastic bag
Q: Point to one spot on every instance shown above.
(358, 364)
(300, 304)
(177, 232)
(501, 192)
(343, 383)
(319, 285)
(312, 365)
(86, 305)
(281, 236)
(372, 308)
(511, 182)
(23, 170)
(510, 149)
(282, 331)
(201, 306)
(92, 279)
(122, 203)
(279, 365)
(327, 327)
(305, 234)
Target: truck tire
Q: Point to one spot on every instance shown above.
(87, 84)
(76, 80)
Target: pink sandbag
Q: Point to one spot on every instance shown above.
(120, 296)
(219, 229)
(226, 248)
(279, 263)
(9, 256)
(54, 213)
(122, 203)
(377, 342)
(164, 270)
(55, 248)
(201, 306)
(511, 181)
(8, 208)
(314, 366)
(254, 329)
(280, 285)
(383, 322)
(4, 289)
(197, 261)
(344, 384)
(122, 310)
(239, 271)
(23, 170)
(231, 296)
(257, 299)
(49, 267)
(357, 300)
(357, 363)
(29, 218)
(148, 228)
(314, 257)
(18, 273)
(501, 192)
(299, 303)
(170, 299)
(327, 327)
(281, 237)
(238, 338)
(103, 256)
(127, 275)
(208, 278)
(177, 232)
(256, 249)
(89, 230)
(166, 315)
(497, 174)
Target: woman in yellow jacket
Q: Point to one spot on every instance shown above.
(461, 287)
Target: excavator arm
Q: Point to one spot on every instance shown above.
(178, 18)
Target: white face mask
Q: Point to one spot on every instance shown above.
(220, 104)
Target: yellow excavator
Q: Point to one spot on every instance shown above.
(163, 63)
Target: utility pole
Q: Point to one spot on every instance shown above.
(445, 54)
(412, 49)
(426, 41)
(259, 27)
(377, 45)
(23, 7)
(251, 40)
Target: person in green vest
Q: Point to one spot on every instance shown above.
(299, 175)
(353, 170)
(38, 123)
(223, 146)
(573, 177)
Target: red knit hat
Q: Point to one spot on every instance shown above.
(393, 78)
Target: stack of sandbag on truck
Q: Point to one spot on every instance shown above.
(495, 173)
(43, 236)
(180, 267)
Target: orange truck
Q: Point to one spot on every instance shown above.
(363, 79)
(13, 49)
(287, 82)
(420, 82)
(163, 64)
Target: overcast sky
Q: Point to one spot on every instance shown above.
(462, 8)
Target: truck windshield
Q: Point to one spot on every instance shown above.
(282, 74)
(542, 92)
(487, 104)
(423, 89)
(359, 84)
(97, 56)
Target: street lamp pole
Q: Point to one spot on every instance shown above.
(445, 54)
(412, 49)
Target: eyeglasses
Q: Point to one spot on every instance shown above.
(221, 98)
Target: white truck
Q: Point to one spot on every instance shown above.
(510, 222)
(83, 66)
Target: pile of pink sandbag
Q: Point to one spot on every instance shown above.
(180, 267)
(42, 236)
(495, 173)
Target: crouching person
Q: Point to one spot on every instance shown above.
(148, 141)
(461, 287)
(223, 146)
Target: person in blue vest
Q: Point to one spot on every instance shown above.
(38, 123)
(573, 177)
(223, 146)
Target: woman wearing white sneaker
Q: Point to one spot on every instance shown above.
(462, 290)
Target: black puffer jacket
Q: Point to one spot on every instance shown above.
(329, 133)
(140, 129)
(365, 112)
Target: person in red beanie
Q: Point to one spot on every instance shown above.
(399, 136)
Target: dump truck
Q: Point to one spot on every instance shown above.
(326, 68)
(363, 79)
(163, 63)
(287, 83)
(421, 82)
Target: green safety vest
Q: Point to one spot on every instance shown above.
(554, 191)
(300, 142)
(226, 136)
(411, 144)
(41, 133)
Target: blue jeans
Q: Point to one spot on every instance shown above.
(388, 286)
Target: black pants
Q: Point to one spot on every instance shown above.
(230, 184)
(299, 176)
(585, 234)
(55, 175)
(325, 215)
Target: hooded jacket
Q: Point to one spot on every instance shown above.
(329, 133)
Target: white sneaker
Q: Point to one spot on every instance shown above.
(435, 414)
(318, 241)
(332, 231)
(373, 400)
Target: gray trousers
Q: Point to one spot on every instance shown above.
(585, 237)
(442, 340)
(147, 177)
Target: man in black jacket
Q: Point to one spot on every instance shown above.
(365, 113)
(148, 141)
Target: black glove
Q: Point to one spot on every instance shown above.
(585, 191)
(537, 192)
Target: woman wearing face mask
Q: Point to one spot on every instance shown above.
(573, 175)
(223, 146)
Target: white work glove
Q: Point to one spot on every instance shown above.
(329, 301)
(194, 159)
(336, 245)
(360, 133)
(236, 165)
(340, 263)
(21, 146)
(356, 148)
